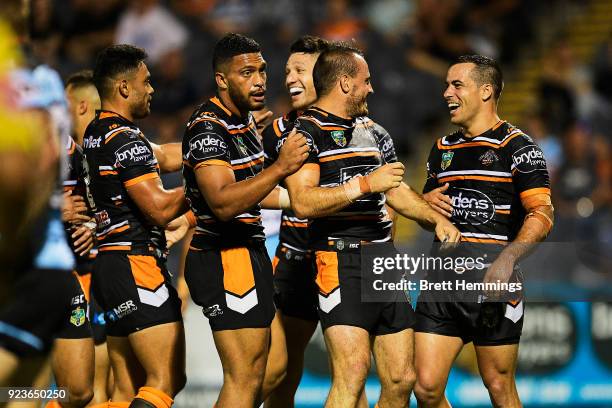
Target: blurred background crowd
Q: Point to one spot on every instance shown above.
(556, 56)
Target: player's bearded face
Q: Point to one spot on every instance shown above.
(141, 93)
(298, 79)
(462, 94)
(246, 82)
(357, 104)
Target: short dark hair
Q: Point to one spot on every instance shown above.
(115, 60)
(80, 79)
(487, 71)
(230, 45)
(338, 59)
(309, 44)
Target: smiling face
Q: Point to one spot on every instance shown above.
(361, 88)
(245, 78)
(462, 95)
(140, 92)
(298, 79)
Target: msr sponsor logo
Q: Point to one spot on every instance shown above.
(91, 143)
(122, 310)
(133, 153)
(529, 159)
(472, 206)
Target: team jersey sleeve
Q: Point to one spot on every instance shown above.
(133, 157)
(432, 170)
(205, 145)
(385, 144)
(311, 133)
(528, 166)
(271, 137)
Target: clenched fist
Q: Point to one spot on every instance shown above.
(292, 154)
(386, 177)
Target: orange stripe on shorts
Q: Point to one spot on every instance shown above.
(327, 271)
(238, 277)
(145, 271)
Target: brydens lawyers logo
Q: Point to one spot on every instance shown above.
(133, 153)
(447, 157)
(529, 159)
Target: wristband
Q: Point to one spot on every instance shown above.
(364, 185)
(543, 218)
(191, 219)
(352, 189)
(284, 202)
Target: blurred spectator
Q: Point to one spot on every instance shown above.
(88, 26)
(230, 16)
(548, 142)
(148, 25)
(582, 185)
(390, 17)
(45, 33)
(602, 68)
(439, 35)
(556, 94)
(340, 22)
(174, 98)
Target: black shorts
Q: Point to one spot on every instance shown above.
(295, 290)
(135, 291)
(495, 325)
(48, 304)
(339, 282)
(95, 314)
(232, 285)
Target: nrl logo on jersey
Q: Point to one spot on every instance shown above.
(447, 157)
(241, 145)
(488, 158)
(77, 317)
(339, 138)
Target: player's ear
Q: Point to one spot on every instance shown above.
(486, 92)
(124, 88)
(221, 81)
(82, 109)
(345, 83)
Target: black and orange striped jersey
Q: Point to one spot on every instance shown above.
(293, 230)
(488, 175)
(77, 170)
(215, 136)
(77, 182)
(118, 156)
(344, 149)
